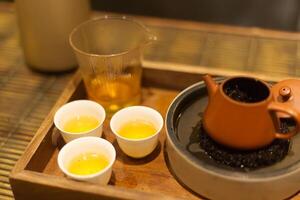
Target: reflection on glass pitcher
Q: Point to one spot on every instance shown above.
(109, 51)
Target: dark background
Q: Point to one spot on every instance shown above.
(272, 14)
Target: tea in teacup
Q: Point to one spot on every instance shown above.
(87, 159)
(88, 163)
(137, 129)
(81, 123)
(79, 118)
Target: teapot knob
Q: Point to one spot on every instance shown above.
(285, 92)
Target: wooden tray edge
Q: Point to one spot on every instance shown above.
(37, 184)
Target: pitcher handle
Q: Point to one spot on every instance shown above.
(281, 107)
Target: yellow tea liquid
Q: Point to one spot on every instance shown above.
(137, 129)
(88, 163)
(115, 90)
(80, 124)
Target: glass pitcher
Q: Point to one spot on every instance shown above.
(109, 52)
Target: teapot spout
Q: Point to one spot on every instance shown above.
(211, 85)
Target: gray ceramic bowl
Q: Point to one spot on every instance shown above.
(197, 171)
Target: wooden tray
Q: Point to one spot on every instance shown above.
(36, 175)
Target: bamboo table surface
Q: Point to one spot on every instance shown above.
(26, 96)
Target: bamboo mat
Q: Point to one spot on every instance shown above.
(225, 53)
(26, 96)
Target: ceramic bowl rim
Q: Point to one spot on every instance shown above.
(80, 134)
(89, 176)
(115, 132)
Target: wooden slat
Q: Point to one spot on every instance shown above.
(7, 161)
(6, 167)
(4, 172)
(4, 179)
(12, 157)
(12, 145)
(6, 194)
(5, 186)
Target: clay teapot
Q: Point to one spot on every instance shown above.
(242, 112)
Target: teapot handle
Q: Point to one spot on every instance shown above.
(281, 107)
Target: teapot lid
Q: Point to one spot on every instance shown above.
(287, 91)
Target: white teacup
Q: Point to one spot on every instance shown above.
(87, 145)
(78, 108)
(137, 148)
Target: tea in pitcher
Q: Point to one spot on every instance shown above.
(115, 90)
(109, 51)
